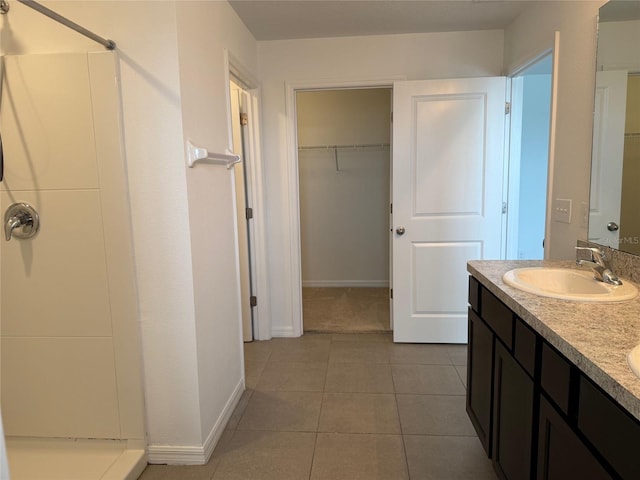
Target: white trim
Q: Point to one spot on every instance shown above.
(258, 237)
(197, 455)
(513, 184)
(552, 142)
(284, 332)
(292, 181)
(346, 283)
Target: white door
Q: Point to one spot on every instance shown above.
(448, 150)
(608, 149)
(238, 107)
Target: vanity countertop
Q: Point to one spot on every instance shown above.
(596, 337)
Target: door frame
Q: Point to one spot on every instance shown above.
(255, 194)
(293, 181)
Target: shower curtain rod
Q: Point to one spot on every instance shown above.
(108, 44)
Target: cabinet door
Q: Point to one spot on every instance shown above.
(512, 417)
(561, 454)
(479, 371)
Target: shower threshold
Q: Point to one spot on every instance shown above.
(73, 459)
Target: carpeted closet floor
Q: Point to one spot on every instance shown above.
(335, 310)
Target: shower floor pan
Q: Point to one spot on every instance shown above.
(67, 459)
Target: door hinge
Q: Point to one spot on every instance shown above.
(504, 207)
(391, 208)
(391, 293)
(248, 212)
(507, 108)
(253, 301)
(244, 119)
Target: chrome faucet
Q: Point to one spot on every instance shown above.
(599, 265)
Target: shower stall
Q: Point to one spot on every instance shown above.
(70, 360)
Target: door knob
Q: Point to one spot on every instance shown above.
(400, 230)
(612, 226)
(21, 221)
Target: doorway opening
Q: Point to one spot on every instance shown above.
(343, 138)
(530, 128)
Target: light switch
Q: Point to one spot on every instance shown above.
(562, 210)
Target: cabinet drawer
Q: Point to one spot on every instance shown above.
(498, 316)
(614, 433)
(474, 294)
(556, 377)
(524, 347)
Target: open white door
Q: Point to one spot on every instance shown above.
(448, 151)
(608, 151)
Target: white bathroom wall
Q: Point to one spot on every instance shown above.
(617, 45)
(527, 37)
(344, 214)
(341, 60)
(205, 31)
(191, 351)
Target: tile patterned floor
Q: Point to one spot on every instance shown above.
(346, 407)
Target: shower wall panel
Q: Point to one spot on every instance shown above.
(70, 348)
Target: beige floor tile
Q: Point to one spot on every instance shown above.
(309, 351)
(174, 472)
(293, 376)
(447, 458)
(253, 368)
(258, 351)
(359, 457)
(458, 354)
(359, 352)
(462, 373)
(427, 379)
(282, 411)
(434, 415)
(263, 455)
(359, 377)
(359, 413)
(239, 410)
(409, 353)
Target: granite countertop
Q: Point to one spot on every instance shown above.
(595, 336)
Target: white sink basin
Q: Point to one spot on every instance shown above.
(633, 359)
(567, 284)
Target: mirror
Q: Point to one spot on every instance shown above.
(614, 216)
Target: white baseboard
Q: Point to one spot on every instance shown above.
(197, 454)
(346, 283)
(282, 332)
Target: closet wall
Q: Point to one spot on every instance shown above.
(344, 191)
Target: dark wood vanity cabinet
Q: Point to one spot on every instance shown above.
(500, 391)
(536, 414)
(513, 394)
(561, 453)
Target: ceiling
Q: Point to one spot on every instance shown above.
(289, 19)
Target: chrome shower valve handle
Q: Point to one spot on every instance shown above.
(21, 221)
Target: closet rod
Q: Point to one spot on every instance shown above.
(327, 147)
(108, 44)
